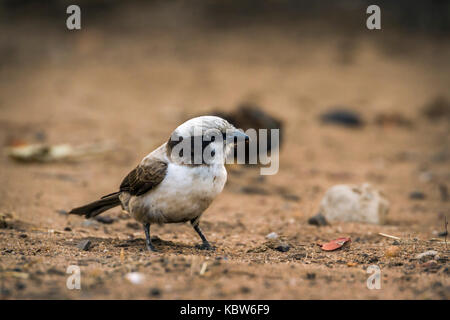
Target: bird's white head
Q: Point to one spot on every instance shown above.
(203, 140)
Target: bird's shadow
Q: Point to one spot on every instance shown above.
(160, 244)
(139, 244)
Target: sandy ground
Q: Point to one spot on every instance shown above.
(134, 88)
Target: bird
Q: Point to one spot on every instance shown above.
(177, 181)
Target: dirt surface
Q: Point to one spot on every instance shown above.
(106, 83)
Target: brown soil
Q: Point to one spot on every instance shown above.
(134, 88)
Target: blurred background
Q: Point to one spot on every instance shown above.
(137, 69)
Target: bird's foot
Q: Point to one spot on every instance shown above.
(205, 246)
(151, 248)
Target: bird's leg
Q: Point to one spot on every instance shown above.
(205, 244)
(148, 240)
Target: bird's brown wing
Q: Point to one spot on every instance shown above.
(144, 177)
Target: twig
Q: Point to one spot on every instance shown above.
(203, 269)
(389, 236)
(446, 231)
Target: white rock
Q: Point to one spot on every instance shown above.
(359, 203)
(272, 235)
(135, 277)
(426, 254)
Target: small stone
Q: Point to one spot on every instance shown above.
(392, 251)
(417, 195)
(89, 223)
(354, 203)
(134, 225)
(437, 285)
(62, 212)
(283, 247)
(318, 220)
(105, 219)
(311, 276)
(272, 235)
(343, 117)
(254, 190)
(155, 292)
(245, 290)
(20, 286)
(5, 292)
(135, 277)
(429, 253)
(437, 109)
(84, 245)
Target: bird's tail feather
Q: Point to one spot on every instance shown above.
(95, 208)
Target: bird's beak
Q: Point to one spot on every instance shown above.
(239, 135)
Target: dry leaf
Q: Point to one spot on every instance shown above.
(335, 244)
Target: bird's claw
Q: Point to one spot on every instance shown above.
(151, 248)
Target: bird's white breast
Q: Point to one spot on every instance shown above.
(183, 195)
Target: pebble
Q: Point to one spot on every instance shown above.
(318, 220)
(272, 235)
(392, 251)
(429, 253)
(310, 276)
(437, 109)
(5, 292)
(245, 290)
(354, 203)
(135, 277)
(134, 225)
(84, 245)
(105, 219)
(20, 286)
(89, 223)
(155, 292)
(283, 247)
(417, 195)
(254, 190)
(342, 117)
